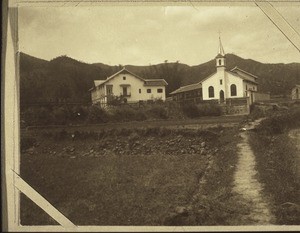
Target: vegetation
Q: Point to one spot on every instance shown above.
(204, 109)
(94, 114)
(278, 164)
(125, 176)
(65, 79)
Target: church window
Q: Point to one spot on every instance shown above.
(211, 93)
(233, 90)
(221, 81)
(220, 62)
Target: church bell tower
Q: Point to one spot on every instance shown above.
(220, 58)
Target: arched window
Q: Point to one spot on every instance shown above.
(211, 93)
(233, 90)
(220, 62)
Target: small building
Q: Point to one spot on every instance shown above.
(129, 87)
(296, 92)
(220, 86)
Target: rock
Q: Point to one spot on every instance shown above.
(203, 151)
(72, 157)
(203, 144)
(30, 150)
(181, 210)
(72, 149)
(91, 151)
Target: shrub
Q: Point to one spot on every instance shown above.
(37, 116)
(281, 122)
(191, 110)
(60, 116)
(158, 111)
(97, 114)
(209, 109)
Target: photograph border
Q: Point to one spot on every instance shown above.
(12, 184)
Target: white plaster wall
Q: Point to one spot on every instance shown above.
(133, 89)
(227, 80)
(97, 94)
(231, 79)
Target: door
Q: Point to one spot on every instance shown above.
(125, 91)
(222, 98)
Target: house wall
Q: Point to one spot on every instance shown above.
(248, 88)
(227, 80)
(261, 96)
(98, 94)
(133, 89)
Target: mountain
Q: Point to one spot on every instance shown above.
(67, 79)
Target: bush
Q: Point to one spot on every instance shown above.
(281, 122)
(209, 109)
(205, 109)
(191, 110)
(60, 116)
(37, 116)
(97, 114)
(158, 111)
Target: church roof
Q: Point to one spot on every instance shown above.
(186, 88)
(243, 71)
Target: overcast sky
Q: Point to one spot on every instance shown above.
(150, 35)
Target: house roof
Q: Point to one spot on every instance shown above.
(155, 82)
(190, 87)
(147, 82)
(98, 82)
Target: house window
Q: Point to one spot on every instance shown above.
(233, 90)
(148, 90)
(124, 77)
(140, 91)
(246, 87)
(159, 90)
(211, 92)
(221, 81)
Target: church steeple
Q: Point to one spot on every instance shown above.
(220, 58)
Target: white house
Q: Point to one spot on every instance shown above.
(130, 87)
(221, 85)
(296, 92)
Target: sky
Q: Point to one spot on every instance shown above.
(143, 35)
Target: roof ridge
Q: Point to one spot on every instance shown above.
(244, 71)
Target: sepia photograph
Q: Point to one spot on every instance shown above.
(174, 114)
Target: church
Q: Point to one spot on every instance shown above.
(221, 86)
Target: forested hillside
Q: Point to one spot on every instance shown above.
(66, 79)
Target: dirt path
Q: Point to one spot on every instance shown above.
(295, 136)
(248, 187)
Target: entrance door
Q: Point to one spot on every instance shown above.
(124, 91)
(222, 98)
